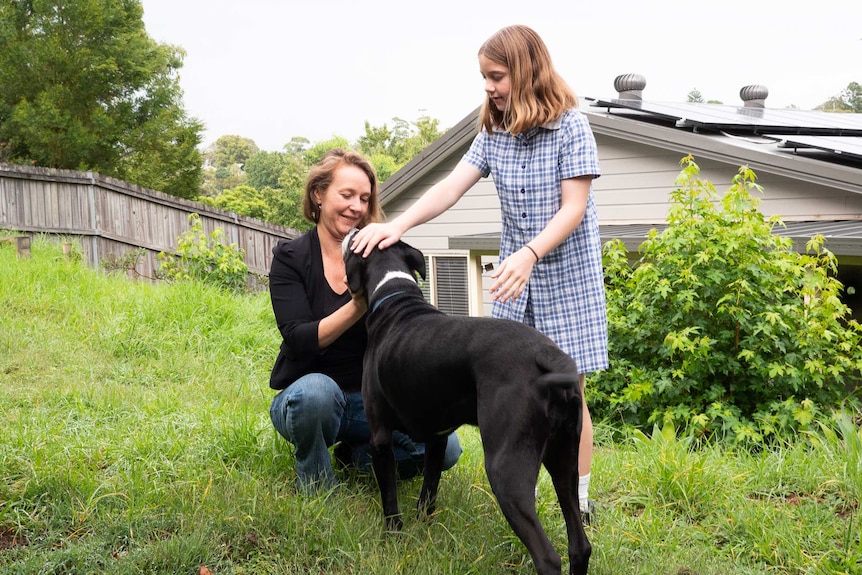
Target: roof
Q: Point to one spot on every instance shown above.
(821, 148)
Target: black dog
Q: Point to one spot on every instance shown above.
(428, 373)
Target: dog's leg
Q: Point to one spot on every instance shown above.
(383, 464)
(512, 472)
(435, 450)
(561, 461)
(382, 456)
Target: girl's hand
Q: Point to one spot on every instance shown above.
(512, 275)
(379, 235)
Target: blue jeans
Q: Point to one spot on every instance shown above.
(313, 414)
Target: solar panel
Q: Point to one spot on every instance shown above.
(842, 145)
(753, 120)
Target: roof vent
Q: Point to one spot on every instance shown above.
(754, 96)
(630, 86)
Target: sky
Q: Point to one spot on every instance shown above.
(271, 70)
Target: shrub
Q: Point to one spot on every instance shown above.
(720, 326)
(205, 258)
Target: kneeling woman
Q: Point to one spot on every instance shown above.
(319, 367)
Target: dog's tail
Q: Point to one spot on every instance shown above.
(560, 386)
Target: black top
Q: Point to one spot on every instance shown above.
(301, 297)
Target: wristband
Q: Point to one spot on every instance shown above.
(532, 250)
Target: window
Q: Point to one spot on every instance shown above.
(450, 283)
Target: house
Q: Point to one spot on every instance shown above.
(809, 163)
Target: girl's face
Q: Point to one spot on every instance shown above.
(344, 204)
(497, 82)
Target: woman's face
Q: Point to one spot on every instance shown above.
(497, 82)
(344, 204)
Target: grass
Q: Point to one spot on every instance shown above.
(135, 438)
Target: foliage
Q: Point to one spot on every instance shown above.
(126, 263)
(216, 181)
(242, 200)
(205, 258)
(279, 177)
(720, 326)
(401, 143)
(850, 100)
(311, 155)
(83, 87)
(852, 96)
(231, 150)
(695, 96)
(263, 169)
(284, 207)
(841, 439)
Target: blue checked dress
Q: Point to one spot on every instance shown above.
(565, 297)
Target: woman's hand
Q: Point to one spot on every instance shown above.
(512, 275)
(379, 235)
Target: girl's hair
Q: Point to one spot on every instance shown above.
(538, 93)
(320, 178)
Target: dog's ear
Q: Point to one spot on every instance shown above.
(353, 268)
(415, 259)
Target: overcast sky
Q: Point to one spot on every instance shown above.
(270, 70)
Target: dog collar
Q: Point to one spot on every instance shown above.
(384, 298)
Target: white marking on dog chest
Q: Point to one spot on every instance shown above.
(391, 276)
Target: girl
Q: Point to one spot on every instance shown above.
(542, 155)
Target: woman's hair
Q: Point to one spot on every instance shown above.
(320, 178)
(538, 93)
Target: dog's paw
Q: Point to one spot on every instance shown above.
(425, 511)
(394, 523)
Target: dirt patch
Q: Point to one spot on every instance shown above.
(10, 539)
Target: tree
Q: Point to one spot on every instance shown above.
(217, 180)
(243, 200)
(410, 139)
(231, 150)
(284, 207)
(263, 169)
(235, 166)
(852, 97)
(296, 145)
(695, 96)
(375, 141)
(82, 86)
(850, 100)
(722, 326)
(401, 143)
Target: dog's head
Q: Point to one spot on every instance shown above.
(382, 269)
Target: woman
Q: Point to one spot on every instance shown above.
(542, 155)
(319, 366)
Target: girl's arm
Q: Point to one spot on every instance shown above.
(439, 198)
(514, 271)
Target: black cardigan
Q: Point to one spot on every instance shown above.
(301, 297)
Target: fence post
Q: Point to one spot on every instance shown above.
(22, 245)
(94, 242)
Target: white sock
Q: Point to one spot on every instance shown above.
(583, 491)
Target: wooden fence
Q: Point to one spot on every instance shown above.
(111, 218)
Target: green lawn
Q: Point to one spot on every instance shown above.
(135, 438)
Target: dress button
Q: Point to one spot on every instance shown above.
(523, 190)
(524, 215)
